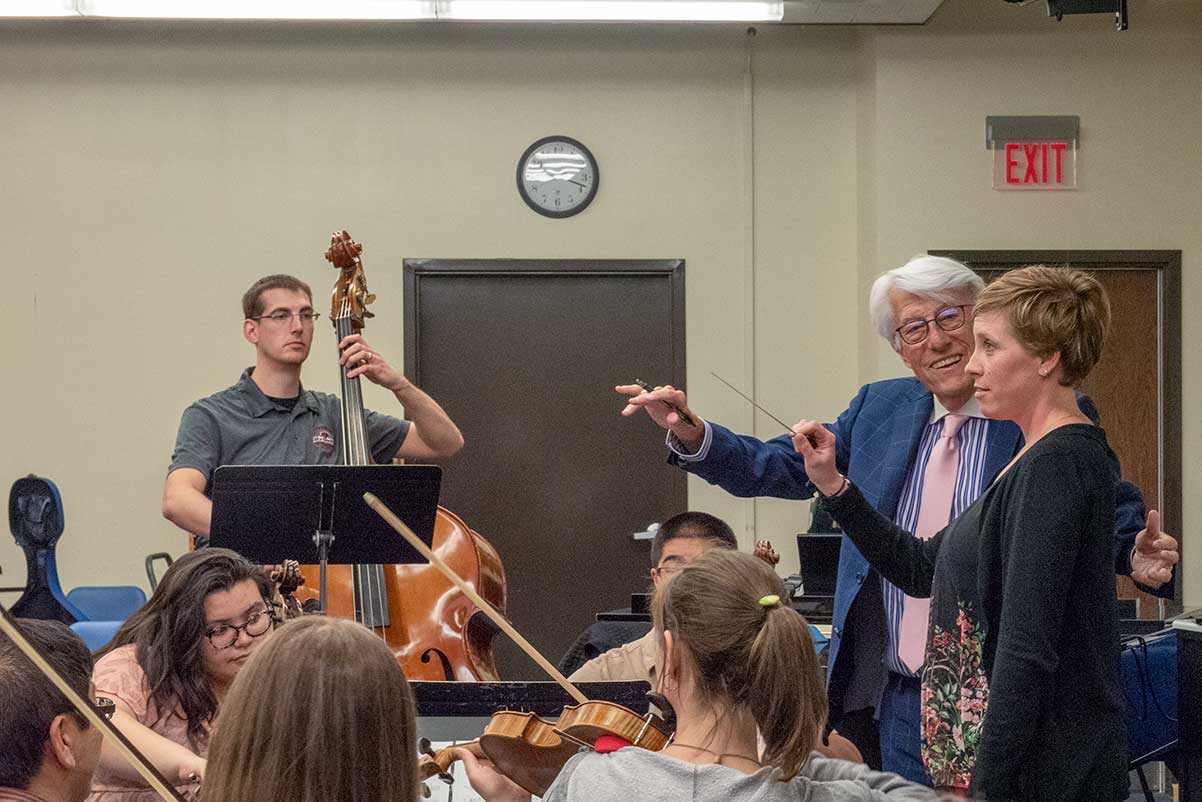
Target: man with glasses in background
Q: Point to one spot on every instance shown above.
(48, 751)
(679, 540)
(887, 445)
(268, 418)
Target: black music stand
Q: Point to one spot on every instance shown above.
(269, 513)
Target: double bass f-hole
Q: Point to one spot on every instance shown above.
(447, 670)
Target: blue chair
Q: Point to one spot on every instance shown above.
(107, 603)
(96, 633)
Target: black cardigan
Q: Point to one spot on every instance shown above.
(1031, 562)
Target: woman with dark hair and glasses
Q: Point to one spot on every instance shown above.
(170, 665)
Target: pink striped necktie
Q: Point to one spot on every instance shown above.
(934, 512)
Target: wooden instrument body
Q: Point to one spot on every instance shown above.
(532, 752)
(435, 631)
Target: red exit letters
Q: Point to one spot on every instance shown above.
(1035, 163)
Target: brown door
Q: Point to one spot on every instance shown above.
(1136, 385)
(524, 356)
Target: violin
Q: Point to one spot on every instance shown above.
(532, 752)
(108, 730)
(435, 632)
(287, 579)
(763, 550)
(524, 747)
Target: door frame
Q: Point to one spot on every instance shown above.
(1167, 264)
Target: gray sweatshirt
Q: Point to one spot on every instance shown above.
(634, 774)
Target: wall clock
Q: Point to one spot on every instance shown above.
(557, 176)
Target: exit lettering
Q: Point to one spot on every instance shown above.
(1035, 163)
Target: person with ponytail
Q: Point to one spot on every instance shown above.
(738, 667)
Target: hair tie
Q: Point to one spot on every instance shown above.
(771, 600)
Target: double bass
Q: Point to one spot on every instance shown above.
(435, 631)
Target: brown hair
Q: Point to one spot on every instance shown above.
(747, 654)
(320, 713)
(167, 632)
(1053, 309)
(252, 299)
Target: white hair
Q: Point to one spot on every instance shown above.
(933, 276)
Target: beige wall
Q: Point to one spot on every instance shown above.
(154, 171)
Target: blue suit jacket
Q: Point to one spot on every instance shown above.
(877, 441)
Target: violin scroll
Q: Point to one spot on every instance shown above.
(286, 578)
(764, 551)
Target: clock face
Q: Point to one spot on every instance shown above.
(557, 176)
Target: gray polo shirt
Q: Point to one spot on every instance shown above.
(242, 426)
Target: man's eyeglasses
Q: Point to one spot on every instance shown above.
(950, 318)
(281, 317)
(665, 571)
(104, 707)
(224, 636)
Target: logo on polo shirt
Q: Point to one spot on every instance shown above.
(323, 438)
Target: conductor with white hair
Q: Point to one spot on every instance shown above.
(921, 452)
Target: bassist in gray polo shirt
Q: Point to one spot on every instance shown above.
(268, 418)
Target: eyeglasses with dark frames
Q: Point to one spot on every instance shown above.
(104, 707)
(223, 636)
(281, 317)
(950, 318)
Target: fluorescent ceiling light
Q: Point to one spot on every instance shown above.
(38, 8)
(260, 9)
(483, 10)
(613, 10)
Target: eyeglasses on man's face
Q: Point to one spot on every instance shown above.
(280, 317)
(103, 707)
(224, 636)
(950, 318)
(667, 569)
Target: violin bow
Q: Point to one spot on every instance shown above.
(154, 779)
(404, 531)
(752, 401)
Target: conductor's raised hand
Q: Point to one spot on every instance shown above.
(660, 403)
(816, 444)
(1155, 554)
(358, 359)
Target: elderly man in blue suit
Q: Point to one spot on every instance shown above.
(924, 309)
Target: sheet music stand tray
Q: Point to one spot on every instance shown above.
(270, 513)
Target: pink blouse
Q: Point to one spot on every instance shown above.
(119, 677)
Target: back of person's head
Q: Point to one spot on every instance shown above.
(321, 713)
(1053, 309)
(169, 629)
(931, 276)
(29, 702)
(748, 650)
(252, 299)
(693, 525)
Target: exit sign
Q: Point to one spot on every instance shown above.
(1033, 153)
(1035, 165)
